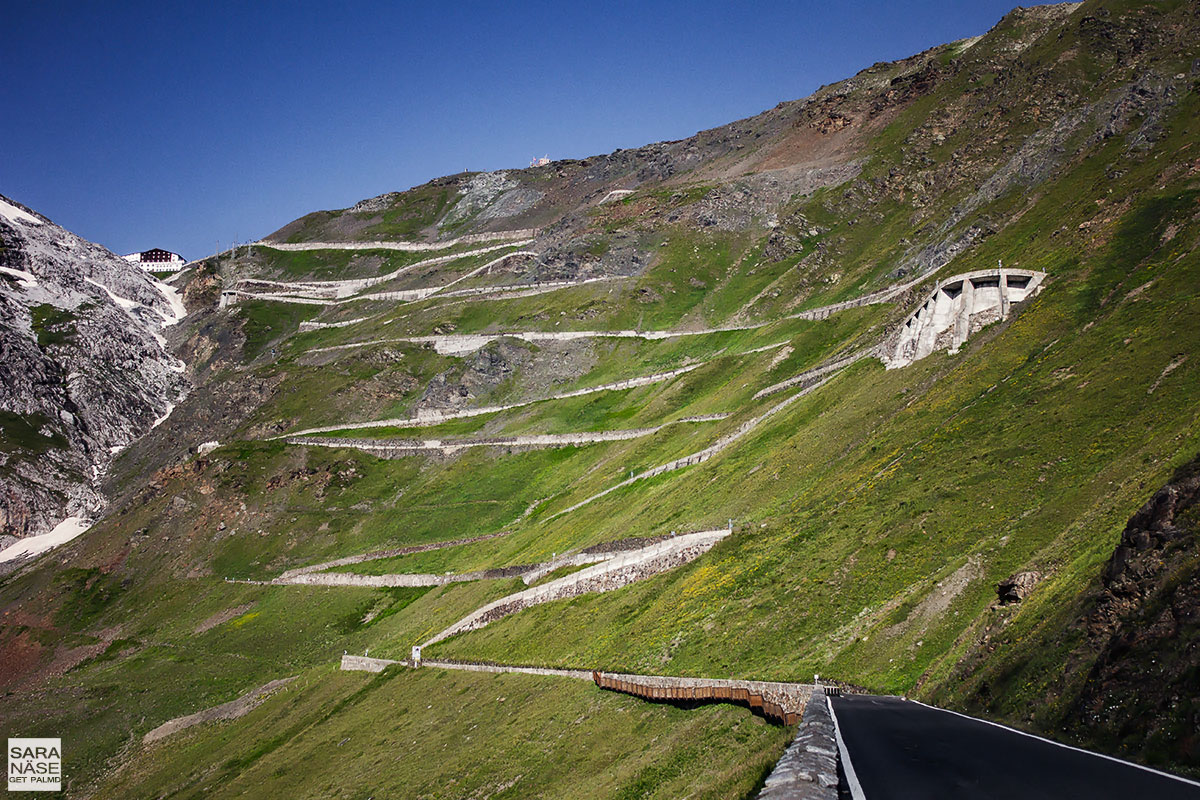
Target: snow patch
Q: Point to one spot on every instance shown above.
(27, 279)
(615, 194)
(63, 532)
(124, 303)
(12, 212)
(207, 447)
(163, 418)
(178, 311)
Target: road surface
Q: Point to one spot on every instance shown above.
(903, 749)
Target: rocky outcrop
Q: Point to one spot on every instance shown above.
(489, 196)
(1017, 587)
(477, 375)
(85, 368)
(1141, 689)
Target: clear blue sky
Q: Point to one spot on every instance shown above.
(164, 124)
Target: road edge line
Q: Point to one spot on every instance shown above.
(1179, 778)
(856, 790)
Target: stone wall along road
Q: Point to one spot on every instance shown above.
(620, 570)
(397, 448)
(808, 769)
(429, 417)
(410, 247)
(389, 553)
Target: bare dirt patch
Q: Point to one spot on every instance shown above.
(221, 617)
(226, 711)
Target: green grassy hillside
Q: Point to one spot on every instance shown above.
(873, 517)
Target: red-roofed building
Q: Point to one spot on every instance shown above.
(157, 260)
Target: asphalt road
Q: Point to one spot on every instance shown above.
(902, 749)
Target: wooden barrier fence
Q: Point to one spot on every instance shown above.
(779, 702)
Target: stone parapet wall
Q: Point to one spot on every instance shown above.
(405, 579)
(702, 455)
(621, 570)
(226, 711)
(427, 417)
(364, 664)
(613, 556)
(337, 292)
(817, 372)
(310, 325)
(540, 285)
(390, 553)
(469, 666)
(408, 247)
(397, 448)
(808, 769)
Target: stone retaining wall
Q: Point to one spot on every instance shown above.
(314, 576)
(310, 325)
(391, 553)
(608, 575)
(538, 286)
(468, 666)
(226, 711)
(817, 372)
(398, 448)
(364, 664)
(409, 247)
(342, 291)
(808, 769)
(702, 455)
(405, 579)
(345, 286)
(428, 417)
(460, 344)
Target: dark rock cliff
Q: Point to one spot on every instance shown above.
(1145, 685)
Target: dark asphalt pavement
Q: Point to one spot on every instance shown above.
(901, 749)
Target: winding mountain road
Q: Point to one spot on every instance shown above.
(902, 750)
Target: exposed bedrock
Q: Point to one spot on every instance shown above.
(84, 365)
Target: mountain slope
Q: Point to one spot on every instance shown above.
(86, 370)
(392, 387)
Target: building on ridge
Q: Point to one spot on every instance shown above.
(157, 260)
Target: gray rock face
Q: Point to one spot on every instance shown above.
(491, 195)
(486, 369)
(84, 367)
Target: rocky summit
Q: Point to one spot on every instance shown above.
(86, 369)
(567, 481)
